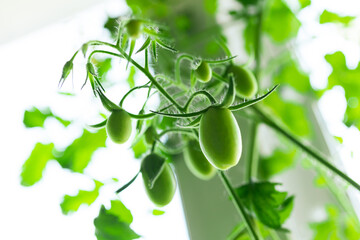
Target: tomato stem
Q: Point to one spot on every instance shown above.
(310, 150)
(239, 207)
(253, 156)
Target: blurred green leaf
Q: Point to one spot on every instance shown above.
(304, 3)
(349, 80)
(36, 118)
(72, 203)
(113, 224)
(290, 74)
(338, 225)
(152, 9)
(103, 66)
(270, 206)
(210, 6)
(78, 154)
(330, 17)
(34, 166)
(249, 34)
(140, 147)
(157, 212)
(112, 25)
(279, 161)
(280, 22)
(291, 114)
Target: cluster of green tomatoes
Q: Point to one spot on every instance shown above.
(216, 142)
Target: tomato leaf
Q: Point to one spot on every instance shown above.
(78, 154)
(330, 17)
(280, 22)
(270, 206)
(112, 25)
(33, 167)
(36, 118)
(114, 224)
(151, 170)
(304, 3)
(157, 212)
(72, 203)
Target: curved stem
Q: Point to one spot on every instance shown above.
(175, 130)
(177, 65)
(131, 90)
(318, 156)
(202, 92)
(239, 207)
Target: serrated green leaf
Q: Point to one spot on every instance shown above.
(279, 161)
(280, 22)
(291, 114)
(78, 154)
(34, 166)
(331, 17)
(72, 203)
(347, 78)
(114, 224)
(36, 118)
(270, 206)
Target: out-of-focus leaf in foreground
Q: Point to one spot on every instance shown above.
(36, 118)
(114, 224)
(72, 203)
(34, 166)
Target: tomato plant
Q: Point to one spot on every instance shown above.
(200, 104)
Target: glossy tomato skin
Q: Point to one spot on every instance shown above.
(220, 138)
(134, 28)
(203, 72)
(197, 162)
(245, 82)
(164, 186)
(118, 126)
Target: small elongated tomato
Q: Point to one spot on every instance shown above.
(203, 72)
(134, 28)
(197, 162)
(164, 186)
(150, 135)
(245, 82)
(118, 126)
(220, 138)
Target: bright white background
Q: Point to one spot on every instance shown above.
(30, 68)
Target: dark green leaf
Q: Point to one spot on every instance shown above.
(114, 224)
(349, 80)
(33, 167)
(280, 22)
(72, 203)
(112, 24)
(36, 118)
(151, 170)
(279, 161)
(270, 206)
(330, 17)
(78, 154)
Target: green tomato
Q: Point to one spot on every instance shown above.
(220, 138)
(203, 72)
(164, 186)
(245, 81)
(150, 135)
(118, 126)
(134, 28)
(197, 162)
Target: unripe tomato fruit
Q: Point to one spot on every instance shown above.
(150, 135)
(197, 162)
(203, 72)
(134, 28)
(118, 126)
(164, 186)
(220, 138)
(245, 81)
